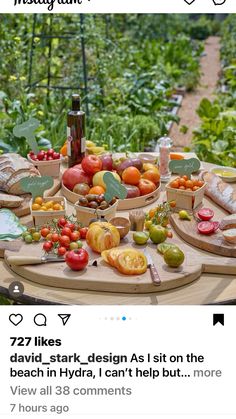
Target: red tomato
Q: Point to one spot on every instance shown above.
(71, 226)
(41, 155)
(206, 227)
(75, 236)
(205, 214)
(64, 241)
(146, 186)
(45, 231)
(91, 164)
(48, 246)
(61, 222)
(83, 232)
(50, 152)
(66, 231)
(61, 251)
(77, 259)
(55, 237)
(56, 156)
(75, 175)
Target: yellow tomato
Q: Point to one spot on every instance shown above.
(43, 208)
(57, 207)
(148, 224)
(102, 236)
(49, 204)
(38, 200)
(131, 262)
(36, 207)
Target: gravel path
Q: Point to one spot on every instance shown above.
(210, 65)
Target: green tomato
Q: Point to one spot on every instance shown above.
(28, 238)
(26, 233)
(74, 246)
(36, 236)
(80, 244)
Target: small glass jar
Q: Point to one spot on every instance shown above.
(165, 144)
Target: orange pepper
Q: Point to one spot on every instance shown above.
(63, 150)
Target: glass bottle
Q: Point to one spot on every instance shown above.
(165, 144)
(76, 142)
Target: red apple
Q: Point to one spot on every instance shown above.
(75, 175)
(146, 186)
(91, 164)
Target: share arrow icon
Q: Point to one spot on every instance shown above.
(64, 318)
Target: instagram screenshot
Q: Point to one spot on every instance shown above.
(117, 209)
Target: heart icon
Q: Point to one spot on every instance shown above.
(16, 319)
(189, 1)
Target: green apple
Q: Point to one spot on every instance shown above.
(157, 234)
(140, 237)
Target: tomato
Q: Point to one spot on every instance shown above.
(172, 204)
(64, 241)
(73, 246)
(206, 227)
(75, 236)
(61, 251)
(146, 186)
(91, 164)
(66, 231)
(189, 184)
(45, 231)
(131, 175)
(200, 183)
(48, 246)
(131, 262)
(83, 232)
(182, 187)
(152, 212)
(113, 254)
(38, 200)
(102, 236)
(55, 237)
(97, 190)
(49, 237)
(182, 182)
(56, 156)
(169, 234)
(152, 175)
(195, 188)
(75, 175)
(174, 184)
(77, 259)
(61, 222)
(185, 177)
(71, 226)
(41, 155)
(205, 214)
(36, 236)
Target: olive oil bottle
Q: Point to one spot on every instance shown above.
(76, 142)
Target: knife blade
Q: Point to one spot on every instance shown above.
(153, 270)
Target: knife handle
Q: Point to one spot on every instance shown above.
(155, 275)
(23, 260)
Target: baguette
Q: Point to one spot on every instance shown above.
(228, 222)
(220, 192)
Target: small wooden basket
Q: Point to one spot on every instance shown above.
(42, 217)
(85, 215)
(47, 168)
(188, 200)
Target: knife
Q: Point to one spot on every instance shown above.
(37, 260)
(33, 260)
(154, 274)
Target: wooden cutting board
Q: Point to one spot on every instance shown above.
(213, 243)
(105, 278)
(24, 209)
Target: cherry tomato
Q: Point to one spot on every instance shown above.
(49, 237)
(195, 188)
(185, 177)
(200, 183)
(75, 236)
(71, 226)
(83, 232)
(48, 246)
(45, 231)
(77, 259)
(189, 184)
(55, 237)
(66, 231)
(64, 241)
(182, 182)
(174, 184)
(74, 246)
(61, 251)
(182, 187)
(172, 204)
(169, 234)
(61, 222)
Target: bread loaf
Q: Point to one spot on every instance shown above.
(220, 192)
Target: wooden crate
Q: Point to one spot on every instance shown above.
(185, 199)
(42, 217)
(47, 168)
(85, 215)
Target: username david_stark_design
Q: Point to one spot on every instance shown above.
(216, 2)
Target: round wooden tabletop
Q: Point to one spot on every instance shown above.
(208, 289)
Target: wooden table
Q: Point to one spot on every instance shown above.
(209, 289)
